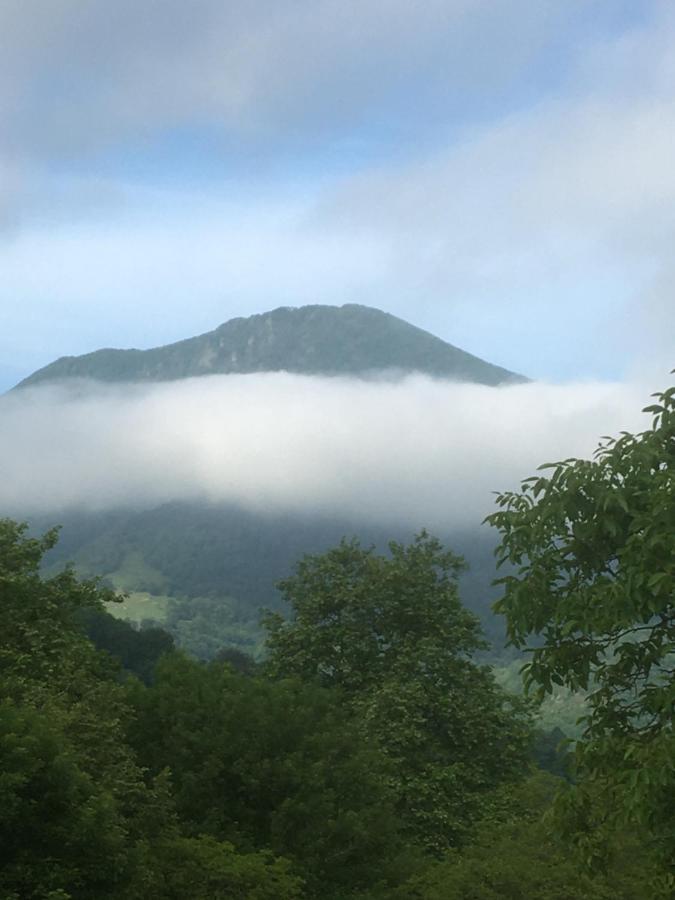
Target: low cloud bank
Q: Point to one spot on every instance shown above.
(416, 451)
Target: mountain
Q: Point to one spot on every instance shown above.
(205, 570)
(312, 340)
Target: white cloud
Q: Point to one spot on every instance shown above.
(561, 213)
(575, 179)
(76, 77)
(417, 451)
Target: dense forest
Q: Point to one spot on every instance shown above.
(368, 753)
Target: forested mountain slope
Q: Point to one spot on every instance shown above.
(315, 340)
(222, 559)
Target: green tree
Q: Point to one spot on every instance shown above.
(271, 765)
(522, 858)
(64, 757)
(40, 639)
(59, 829)
(78, 820)
(203, 626)
(203, 868)
(136, 649)
(391, 633)
(591, 595)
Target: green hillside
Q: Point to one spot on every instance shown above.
(216, 565)
(313, 340)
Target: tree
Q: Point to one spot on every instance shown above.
(203, 868)
(591, 595)
(78, 819)
(136, 649)
(40, 639)
(522, 857)
(391, 634)
(59, 829)
(272, 765)
(72, 795)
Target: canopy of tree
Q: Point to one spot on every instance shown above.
(78, 817)
(346, 780)
(592, 544)
(391, 634)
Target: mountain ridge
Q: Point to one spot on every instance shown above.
(314, 340)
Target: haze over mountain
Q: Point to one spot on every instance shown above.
(310, 340)
(195, 475)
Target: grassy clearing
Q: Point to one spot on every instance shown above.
(139, 605)
(136, 575)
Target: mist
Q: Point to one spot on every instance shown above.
(413, 451)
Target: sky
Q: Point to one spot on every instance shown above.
(499, 173)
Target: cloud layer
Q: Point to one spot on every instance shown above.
(419, 452)
(76, 79)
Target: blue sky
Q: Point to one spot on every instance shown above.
(500, 173)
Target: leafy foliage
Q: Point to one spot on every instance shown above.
(593, 543)
(58, 827)
(137, 649)
(393, 636)
(77, 818)
(273, 765)
(213, 781)
(206, 869)
(203, 626)
(561, 708)
(521, 858)
(71, 788)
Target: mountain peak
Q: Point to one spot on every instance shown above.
(351, 340)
